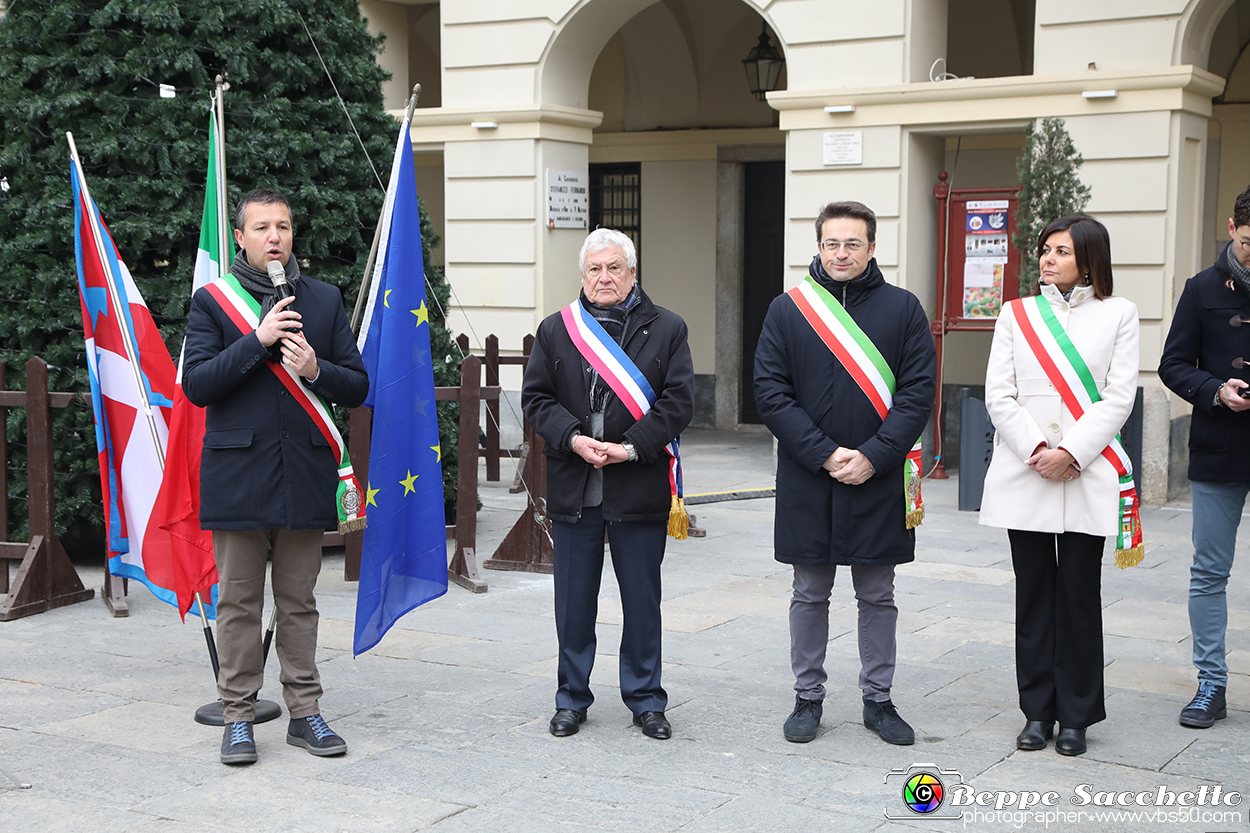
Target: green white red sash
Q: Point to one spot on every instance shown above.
(244, 312)
(1068, 372)
(620, 373)
(855, 351)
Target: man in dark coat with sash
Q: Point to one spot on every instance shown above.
(609, 387)
(845, 374)
(273, 475)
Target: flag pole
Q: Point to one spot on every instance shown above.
(212, 714)
(377, 230)
(115, 297)
(224, 244)
(217, 142)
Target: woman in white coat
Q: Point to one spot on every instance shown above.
(1049, 484)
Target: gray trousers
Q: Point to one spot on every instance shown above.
(809, 628)
(241, 557)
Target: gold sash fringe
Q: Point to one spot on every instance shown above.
(1130, 557)
(353, 525)
(678, 520)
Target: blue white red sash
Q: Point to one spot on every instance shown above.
(631, 387)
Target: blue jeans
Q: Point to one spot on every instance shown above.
(1217, 513)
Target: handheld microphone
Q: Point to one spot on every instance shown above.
(277, 275)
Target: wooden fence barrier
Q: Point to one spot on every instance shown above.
(470, 394)
(45, 577)
(527, 546)
(491, 362)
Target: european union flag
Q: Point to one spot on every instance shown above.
(404, 562)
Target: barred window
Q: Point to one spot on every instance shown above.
(616, 201)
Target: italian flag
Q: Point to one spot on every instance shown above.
(188, 567)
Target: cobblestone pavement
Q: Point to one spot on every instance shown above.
(447, 718)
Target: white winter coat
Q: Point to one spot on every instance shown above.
(1027, 410)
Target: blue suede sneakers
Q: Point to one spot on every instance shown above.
(315, 735)
(1207, 706)
(237, 745)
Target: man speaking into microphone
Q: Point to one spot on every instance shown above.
(274, 474)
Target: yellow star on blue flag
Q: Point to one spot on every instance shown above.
(404, 556)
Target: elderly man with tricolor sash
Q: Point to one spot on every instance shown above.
(845, 374)
(610, 387)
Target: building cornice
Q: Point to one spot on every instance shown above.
(1185, 88)
(552, 121)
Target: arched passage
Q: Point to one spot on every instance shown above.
(1216, 37)
(566, 67)
(683, 150)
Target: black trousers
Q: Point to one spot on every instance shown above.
(1059, 662)
(637, 552)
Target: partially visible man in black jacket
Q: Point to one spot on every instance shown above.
(608, 471)
(268, 480)
(840, 464)
(1210, 331)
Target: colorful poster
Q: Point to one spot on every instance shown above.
(985, 257)
(983, 286)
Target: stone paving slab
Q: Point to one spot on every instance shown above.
(447, 717)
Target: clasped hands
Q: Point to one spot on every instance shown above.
(282, 323)
(597, 452)
(849, 466)
(1053, 464)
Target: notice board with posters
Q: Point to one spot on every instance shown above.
(983, 267)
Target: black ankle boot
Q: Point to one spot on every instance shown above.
(1035, 735)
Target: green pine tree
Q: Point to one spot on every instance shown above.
(94, 67)
(1049, 189)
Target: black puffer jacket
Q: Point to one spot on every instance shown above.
(555, 398)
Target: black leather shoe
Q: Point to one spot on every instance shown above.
(566, 722)
(1035, 735)
(1070, 741)
(654, 725)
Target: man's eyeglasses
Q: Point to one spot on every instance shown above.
(1244, 244)
(851, 246)
(615, 269)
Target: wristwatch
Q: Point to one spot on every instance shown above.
(631, 451)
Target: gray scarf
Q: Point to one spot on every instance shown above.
(258, 283)
(1241, 275)
(613, 320)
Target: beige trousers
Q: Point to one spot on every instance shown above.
(241, 557)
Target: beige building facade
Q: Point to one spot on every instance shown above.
(649, 101)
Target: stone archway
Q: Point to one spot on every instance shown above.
(566, 65)
(667, 75)
(1196, 30)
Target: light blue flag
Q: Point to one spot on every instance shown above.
(404, 561)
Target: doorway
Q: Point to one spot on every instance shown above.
(763, 263)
